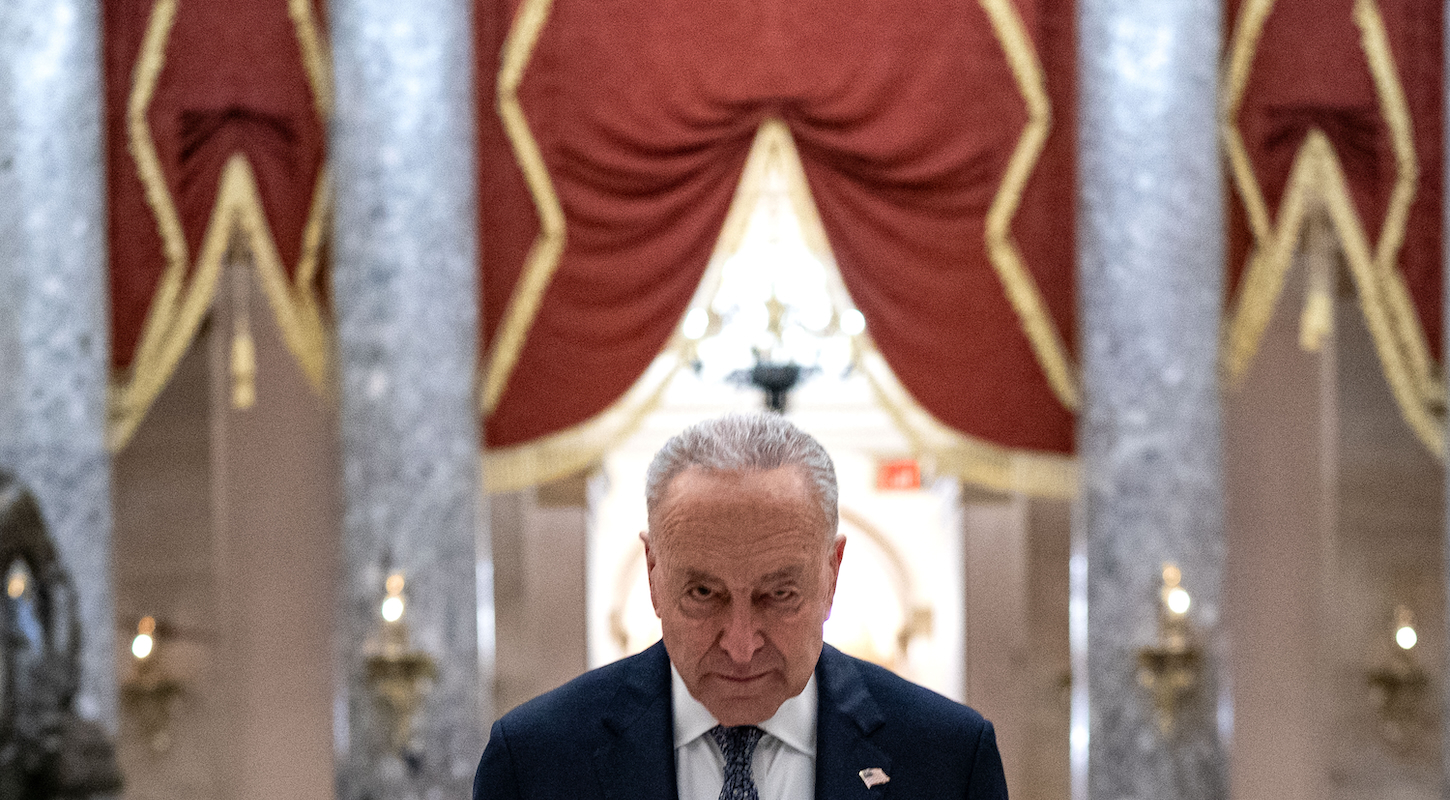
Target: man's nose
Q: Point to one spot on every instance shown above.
(742, 636)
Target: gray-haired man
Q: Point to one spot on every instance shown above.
(741, 700)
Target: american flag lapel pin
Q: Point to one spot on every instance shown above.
(874, 776)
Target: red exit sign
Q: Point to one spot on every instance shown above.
(898, 474)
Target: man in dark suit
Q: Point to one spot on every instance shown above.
(741, 700)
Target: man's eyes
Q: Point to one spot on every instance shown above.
(700, 593)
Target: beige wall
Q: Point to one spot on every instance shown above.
(1280, 464)
(1017, 659)
(1335, 516)
(227, 532)
(539, 544)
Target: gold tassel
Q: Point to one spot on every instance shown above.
(1321, 260)
(244, 369)
(1316, 322)
(244, 350)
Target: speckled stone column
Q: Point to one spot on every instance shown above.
(53, 321)
(1150, 253)
(405, 292)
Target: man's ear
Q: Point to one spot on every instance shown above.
(649, 565)
(838, 549)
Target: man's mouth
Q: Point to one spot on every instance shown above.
(741, 679)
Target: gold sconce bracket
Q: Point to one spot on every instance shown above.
(150, 692)
(1399, 686)
(150, 696)
(398, 675)
(400, 682)
(1170, 675)
(1170, 667)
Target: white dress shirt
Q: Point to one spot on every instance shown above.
(784, 764)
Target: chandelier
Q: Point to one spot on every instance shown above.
(772, 322)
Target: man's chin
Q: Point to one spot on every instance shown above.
(743, 701)
(746, 713)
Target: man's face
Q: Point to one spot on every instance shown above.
(741, 573)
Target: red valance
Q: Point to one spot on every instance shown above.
(907, 125)
(215, 128)
(1336, 111)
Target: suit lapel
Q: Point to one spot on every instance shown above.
(845, 716)
(638, 760)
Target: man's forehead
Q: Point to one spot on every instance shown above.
(700, 485)
(778, 574)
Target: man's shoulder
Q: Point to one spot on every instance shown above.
(901, 702)
(548, 747)
(936, 746)
(592, 696)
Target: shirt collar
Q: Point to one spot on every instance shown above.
(794, 722)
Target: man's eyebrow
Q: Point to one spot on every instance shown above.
(785, 573)
(698, 576)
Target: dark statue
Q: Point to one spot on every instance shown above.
(46, 750)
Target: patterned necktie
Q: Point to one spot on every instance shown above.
(738, 745)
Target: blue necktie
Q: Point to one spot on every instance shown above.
(738, 745)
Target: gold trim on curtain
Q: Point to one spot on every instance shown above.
(548, 248)
(943, 450)
(1317, 181)
(181, 302)
(1022, 291)
(509, 469)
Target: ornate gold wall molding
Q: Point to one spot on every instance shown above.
(1022, 291)
(187, 289)
(1317, 181)
(548, 247)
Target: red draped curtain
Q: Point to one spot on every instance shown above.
(937, 144)
(1335, 115)
(215, 135)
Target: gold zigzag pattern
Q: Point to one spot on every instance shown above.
(1317, 181)
(181, 303)
(548, 248)
(948, 451)
(1006, 259)
(1022, 291)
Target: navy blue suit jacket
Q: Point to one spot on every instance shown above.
(610, 734)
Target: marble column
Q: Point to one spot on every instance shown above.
(1150, 253)
(53, 334)
(405, 291)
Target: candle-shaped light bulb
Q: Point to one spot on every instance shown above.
(1175, 597)
(393, 604)
(1405, 635)
(393, 609)
(145, 641)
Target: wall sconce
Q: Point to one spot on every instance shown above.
(1398, 686)
(150, 691)
(1170, 667)
(398, 675)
